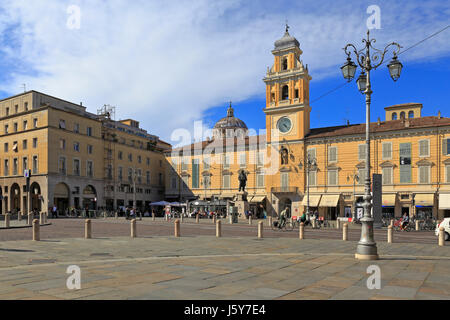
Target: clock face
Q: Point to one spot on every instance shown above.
(284, 125)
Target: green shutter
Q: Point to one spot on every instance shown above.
(444, 147)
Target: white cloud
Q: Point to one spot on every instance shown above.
(165, 63)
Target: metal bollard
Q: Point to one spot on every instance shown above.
(390, 238)
(219, 229)
(260, 229)
(87, 229)
(250, 220)
(177, 228)
(133, 228)
(301, 234)
(338, 223)
(345, 232)
(30, 218)
(36, 233)
(441, 237)
(417, 225)
(7, 220)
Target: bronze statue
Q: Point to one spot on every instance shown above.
(242, 180)
(284, 156)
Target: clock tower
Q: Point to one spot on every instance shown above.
(287, 93)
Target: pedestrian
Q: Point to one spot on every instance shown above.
(54, 214)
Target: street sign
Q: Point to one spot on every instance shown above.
(27, 173)
(377, 200)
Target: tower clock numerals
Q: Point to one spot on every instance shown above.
(284, 125)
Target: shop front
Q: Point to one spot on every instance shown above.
(424, 205)
(314, 200)
(328, 206)
(257, 205)
(444, 205)
(388, 205)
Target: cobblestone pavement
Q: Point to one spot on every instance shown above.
(208, 268)
(74, 228)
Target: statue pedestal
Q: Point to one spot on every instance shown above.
(241, 203)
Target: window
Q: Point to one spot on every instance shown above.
(195, 173)
(387, 175)
(402, 115)
(206, 182)
(6, 129)
(411, 114)
(7, 111)
(226, 161)
(242, 160)
(35, 142)
(76, 128)
(394, 116)
(285, 92)
(62, 144)
(76, 167)
(139, 159)
(25, 163)
(332, 154)
(90, 169)
(260, 162)
(362, 151)
(312, 153)
(386, 150)
(76, 146)
(120, 174)
(35, 164)
(424, 174)
(109, 170)
(148, 161)
(260, 180)
(90, 149)
(361, 176)
(332, 177)
(161, 180)
(284, 180)
(147, 174)
(120, 155)
(296, 93)
(206, 163)
(6, 147)
(62, 165)
(405, 162)
(89, 131)
(16, 108)
(226, 181)
(130, 175)
(26, 106)
(25, 125)
(424, 148)
(184, 164)
(15, 147)
(15, 166)
(35, 123)
(447, 174)
(285, 64)
(62, 124)
(6, 168)
(16, 127)
(25, 144)
(312, 178)
(130, 157)
(446, 147)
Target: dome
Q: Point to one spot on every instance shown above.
(230, 124)
(287, 41)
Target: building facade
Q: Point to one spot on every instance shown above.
(75, 158)
(410, 151)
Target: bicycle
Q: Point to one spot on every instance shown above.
(287, 226)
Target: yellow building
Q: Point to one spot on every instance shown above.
(77, 158)
(411, 152)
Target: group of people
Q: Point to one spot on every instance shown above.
(305, 218)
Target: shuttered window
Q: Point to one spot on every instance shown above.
(332, 177)
(424, 174)
(362, 176)
(332, 154)
(226, 161)
(184, 165)
(387, 175)
(362, 150)
(242, 160)
(260, 159)
(405, 162)
(260, 180)
(424, 148)
(447, 171)
(386, 151)
(284, 180)
(312, 153)
(445, 147)
(226, 181)
(312, 178)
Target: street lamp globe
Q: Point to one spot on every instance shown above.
(395, 68)
(362, 82)
(349, 69)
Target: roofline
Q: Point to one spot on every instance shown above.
(404, 105)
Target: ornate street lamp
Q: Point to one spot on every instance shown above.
(349, 69)
(367, 248)
(310, 162)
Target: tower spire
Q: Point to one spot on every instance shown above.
(230, 112)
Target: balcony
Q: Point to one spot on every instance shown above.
(284, 189)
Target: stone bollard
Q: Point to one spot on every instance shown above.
(392, 223)
(182, 218)
(133, 228)
(417, 225)
(140, 216)
(250, 222)
(87, 229)
(338, 223)
(313, 223)
(177, 228)
(390, 235)
(116, 215)
(46, 217)
(197, 218)
(7, 220)
(214, 219)
(19, 217)
(36, 233)
(30, 218)
(41, 218)
(153, 216)
(105, 215)
(345, 232)
(231, 219)
(260, 229)
(270, 221)
(441, 236)
(301, 234)
(219, 229)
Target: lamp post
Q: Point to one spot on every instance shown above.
(367, 60)
(355, 178)
(309, 162)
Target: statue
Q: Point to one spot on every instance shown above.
(242, 180)
(284, 156)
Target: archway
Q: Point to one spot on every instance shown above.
(285, 202)
(89, 198)
(36, 203)
(61, 197)
(15, 198)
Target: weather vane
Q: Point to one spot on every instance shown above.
(287, 26)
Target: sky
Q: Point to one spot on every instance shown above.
(168, 64)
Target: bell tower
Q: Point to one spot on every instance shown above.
(287, 92)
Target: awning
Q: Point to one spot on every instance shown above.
(444, 201)
(388, 200)
(425, 199)
(225, 195)
(257, 199)
(314, 200)
(329, 200)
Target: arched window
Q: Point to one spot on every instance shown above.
(411, 114)
(402, 115)
(394, 116)
(285, 93)
(285, 64)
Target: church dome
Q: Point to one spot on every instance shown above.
(230, 126)
(287, 41)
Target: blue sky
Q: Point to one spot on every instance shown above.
(168, 64)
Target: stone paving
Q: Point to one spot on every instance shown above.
(209, 268)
